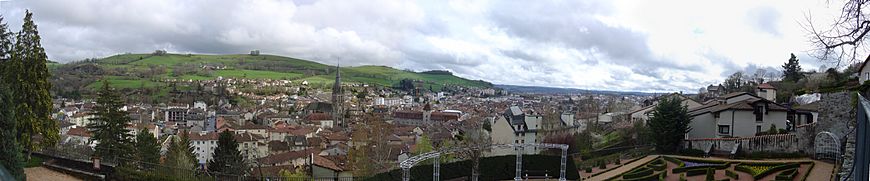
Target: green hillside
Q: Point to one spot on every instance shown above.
(144, 70)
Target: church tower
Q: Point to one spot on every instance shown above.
(338, 99)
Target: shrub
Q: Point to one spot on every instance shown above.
(602, 165)
(757, 174)
(732, 174)
(691, 152)
(588, 169)
(711, 174)
(682, 177)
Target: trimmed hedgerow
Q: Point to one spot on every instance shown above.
(638, 173)
(648, 177)
(787, 174)
(716, 166)
(696, 172)
(657, 165)
(675, 161)
(732, 174)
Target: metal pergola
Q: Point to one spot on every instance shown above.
(518, 147)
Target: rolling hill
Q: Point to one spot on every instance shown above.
(145, 70)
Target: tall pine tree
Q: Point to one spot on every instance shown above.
(227, 158)
(9, 147)
(147, 150)
(791, 70)
(27, 75)
(109, 126)
(669, 124)
(180, 158)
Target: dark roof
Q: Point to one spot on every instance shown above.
(733, 94)
(278, 146)
(740, 105)
(284, 157)
(319, 107)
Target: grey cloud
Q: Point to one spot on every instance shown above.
(579, 29)
(765, 19)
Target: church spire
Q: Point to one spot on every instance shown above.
(338, 97)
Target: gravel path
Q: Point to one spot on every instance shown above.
(42, 173)
(623, 168)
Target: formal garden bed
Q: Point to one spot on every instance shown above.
(598, 165)
(671, 168)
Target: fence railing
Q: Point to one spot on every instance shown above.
(860, 169)
(140, 169)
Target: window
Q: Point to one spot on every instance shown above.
(724, 129)
(758, 129)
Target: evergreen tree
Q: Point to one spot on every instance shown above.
(147, 150)
(109, 125)
(669, 124)
(180, 159)
(27, 75)
(227, 158)
(9, 148)
(791, 70)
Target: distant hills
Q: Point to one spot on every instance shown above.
(138, 70)
(556, 90)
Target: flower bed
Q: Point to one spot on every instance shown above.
(760, 170)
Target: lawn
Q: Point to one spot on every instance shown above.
(256, 74)
(33, 162)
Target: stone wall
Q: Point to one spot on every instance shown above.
(837, 115)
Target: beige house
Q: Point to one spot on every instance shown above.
(864, 72)
(515, 126)
(736, 115)
(643, 114)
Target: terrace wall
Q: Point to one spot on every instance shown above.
(783, 143)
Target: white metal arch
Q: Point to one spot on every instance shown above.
(411, 162)
(827, 146)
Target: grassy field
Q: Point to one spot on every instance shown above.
(263, 67)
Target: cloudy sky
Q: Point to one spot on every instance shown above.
(660, 45)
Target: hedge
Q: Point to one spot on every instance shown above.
(766, 172)
(696, 172)
(787, 174)
(711, 174)
(657, 165)
(732, 174)
(651, 177)
(675, 161)
(638, 173)
(492, 168)
(684, 169)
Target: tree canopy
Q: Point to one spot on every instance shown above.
(791, 70)
(109, 125)
(669, 124)
(227, 158)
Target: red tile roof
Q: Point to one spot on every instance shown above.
(284, 157)
(318, 116)
(766, 86)
(326, 163)
(79, 131)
